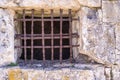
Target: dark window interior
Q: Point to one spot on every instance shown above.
(38, 42)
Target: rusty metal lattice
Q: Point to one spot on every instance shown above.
(44, 36)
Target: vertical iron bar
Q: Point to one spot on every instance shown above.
(61, 12)
(43, 41)
(32, 32)
(25, 44)
(70, 33)
(52, 50)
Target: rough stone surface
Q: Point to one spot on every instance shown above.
(76, 28)
(98, 38)
(17, 42)
(117, 31)
(111, 10)
(99, 73)
(3, 74)
(40, 4)
(76, 72)
(108, 72)
(115, 72)
(90, 3)
(6, 36)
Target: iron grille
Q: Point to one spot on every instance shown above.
(24, 36)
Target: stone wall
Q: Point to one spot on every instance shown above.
(90, 72)
(74, 72)
(99, 39)
(99, 27)
(7, 36)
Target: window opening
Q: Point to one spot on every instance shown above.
(46, 38)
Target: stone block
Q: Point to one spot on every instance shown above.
(17, 74)
(40, 4)
(111, 10)
(116, 72)
(90, 3)
(7, 37)
(77, 72)
(98, 38)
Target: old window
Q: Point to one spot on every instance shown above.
(46, 37)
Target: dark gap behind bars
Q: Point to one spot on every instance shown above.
(38, 42)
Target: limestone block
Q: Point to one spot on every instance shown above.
(6, 36)
(90, 3)
(17, 74)
(117, 31)
(8, 3)
(40, 4)
(54, 74)
(50, 4)
(76, 72)
(97, 70)
(36, 3)
(3, 74)
(86, 75)
(98, 39)
(111, 11)
(17, 42)
(36, 74)
(65, 4)
(108, 73)
(99, 73)
(76, 41)
(116, 72)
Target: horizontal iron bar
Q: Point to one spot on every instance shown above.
(75, 19)
(45, 34)
(46, 46)
(48, 37)
(39, 36)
